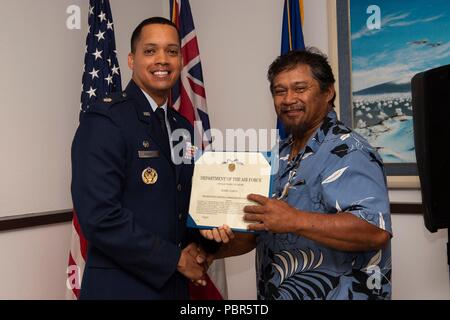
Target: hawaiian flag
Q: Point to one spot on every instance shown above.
(291, 36)
(188, 95)
(189, 98)
(101, 77)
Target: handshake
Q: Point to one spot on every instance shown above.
(194, 261)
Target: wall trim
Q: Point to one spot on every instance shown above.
(407, 208)
(51, 217)
(35, 219)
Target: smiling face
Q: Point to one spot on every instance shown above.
(299, 102)
(156, 62)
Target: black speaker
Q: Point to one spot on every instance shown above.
(431, 118)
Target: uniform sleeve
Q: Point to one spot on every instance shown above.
(98, 175)
(355, 183)
(210, 246)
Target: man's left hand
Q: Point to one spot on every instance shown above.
(271, 215)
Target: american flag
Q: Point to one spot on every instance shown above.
(189, 98)
(101, 76)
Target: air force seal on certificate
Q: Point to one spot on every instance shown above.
(149, 176)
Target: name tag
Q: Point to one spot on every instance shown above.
(148, 153)
(190, 151)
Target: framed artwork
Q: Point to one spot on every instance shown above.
(382, 44)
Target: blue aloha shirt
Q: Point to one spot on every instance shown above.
(338, 172)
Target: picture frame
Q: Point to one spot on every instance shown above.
(399, 175)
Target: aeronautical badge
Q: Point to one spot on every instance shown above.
(149, 176)
(190, 152)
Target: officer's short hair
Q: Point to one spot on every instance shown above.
(313, 57)
(153, 20)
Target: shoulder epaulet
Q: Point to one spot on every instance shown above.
(181, 117)
(107, 102)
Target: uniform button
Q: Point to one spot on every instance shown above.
(179, 245)
(179, 187)
(180, 216)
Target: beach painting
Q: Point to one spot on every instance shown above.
(391, 41)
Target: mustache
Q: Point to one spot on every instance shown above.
(295, 107)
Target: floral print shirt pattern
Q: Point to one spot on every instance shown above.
(337, 171)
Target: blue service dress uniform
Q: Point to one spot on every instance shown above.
(135, 230)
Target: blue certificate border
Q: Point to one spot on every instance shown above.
(271, 157)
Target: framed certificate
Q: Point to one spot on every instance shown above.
(221, 183)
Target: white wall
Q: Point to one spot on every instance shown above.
(238, 39)
(39, 115)
(236, 46)
(34, 262)
(419, 258)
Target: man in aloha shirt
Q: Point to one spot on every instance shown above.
(338, 172)
(325, 232)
